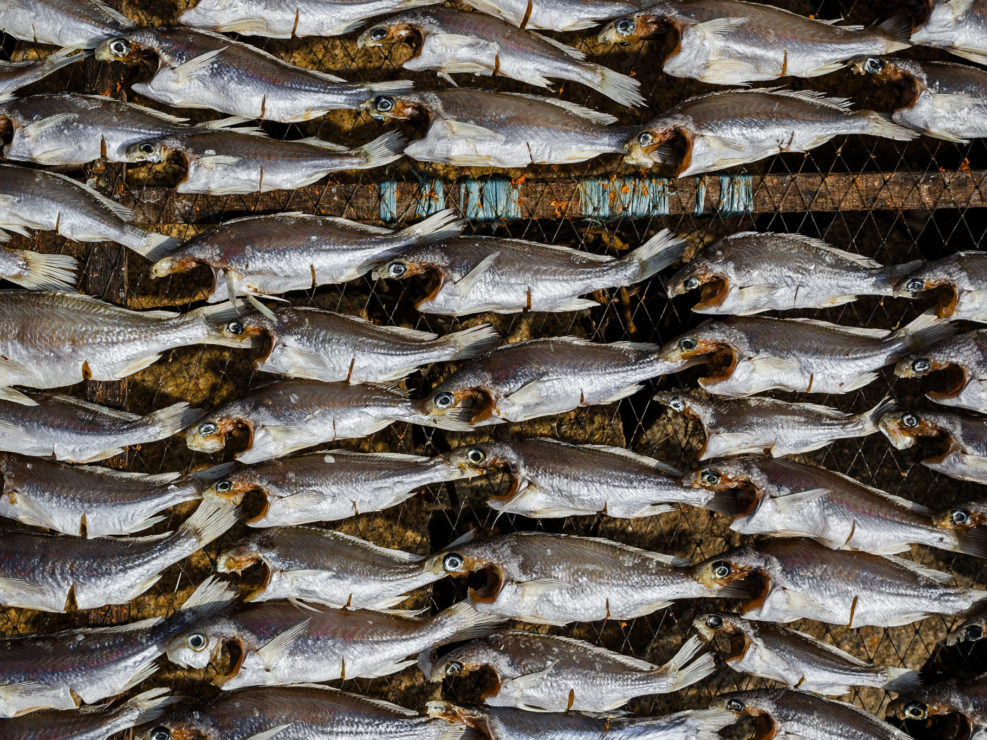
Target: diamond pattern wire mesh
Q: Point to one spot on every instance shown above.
(430, 520)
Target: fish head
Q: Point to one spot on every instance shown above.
(912, 286)
(473, 718)
(239, 558)
(732, 627)
(903, 428)
(398, 269)
(721, 572)
(174, 264)
(710, 341)
(756, 704)
(962, 517)
(471, 404)
(630, 28)
(121, 49)
(737, 483)
(887, 70)
(481, 458)
(388, 34)
(682, 403)
(201, 644)
(231, 488)
(458, 662)
(245, 328)
(152, 151)
(470, 560)
(651, 145)
(918, 708)
(700, 274)
(209, 435)
(392, 107)
(190, 726)
(972, 630)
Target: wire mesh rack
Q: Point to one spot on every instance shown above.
(887, 200)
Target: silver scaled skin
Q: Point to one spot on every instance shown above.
(962, 360)
(15, 75)
(72, 24)
(958, 26)
(557, 15)
(960, 440)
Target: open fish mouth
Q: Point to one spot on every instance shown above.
(948, 296)
(714, 291)
(488, 584)
(950, 380)
(720, 363)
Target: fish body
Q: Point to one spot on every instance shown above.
(15, 75)
(964, 360)
(47, 201)
(558, 579)
(730, 42)
(268, 255)
(275, 19)
(290, 415)
(334, 485)
(749, 426)
(41, 571)
(544, 673)
(961, 440)
(221, 162)
(480, 128)
(961, 282)
(539, 377)
(325, 567)
(510, 275)
(958, 26)
(751, 272)
(796, 659)
(965, 698)
(322, 345)
(556, 15)
(783, 498)
(202, 69)
(73, 430)
(51, 340)
(73, 24)
(36, 271)
(91, 501)
(735, 127)
(550, 478)
(282, 642)
(801, 579)
(303, 712)
(60, 670)
(453, 41)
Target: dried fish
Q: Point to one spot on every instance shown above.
(963, 359)
(74, 24)
(326, 567)
(453, 41)
(290, 415)
(729, 42)
(92, 501)
(70, 429)
(322, 345)
(36, 271)
(797, 660)
(800, 579)
(334, 485)
(961, 280)
(550, 478)
(960, 441)
(543, 673)
(749, 426)
(750, 272)
(558, 15)
(963, 517)
(735, 127)
(221, 162)
(281, 641)
(479, 128)
(202, 69)
(783, 498)
(510, 275)
(958, 26)
(62, 670)
(50, 572)
(965, 699)
(15, 75)
(48, 201)
(295, 251)
(972, 629)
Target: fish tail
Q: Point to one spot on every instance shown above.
(878, 124)
(210, 521)
(153, 246)
(972, 542)
(923, 331)
(171, 419)
(659, 252)
(681, 671)
(471, 342)
(209, 596)
(869, 421)
(618, 87)
(708, 722)
(45, 271)
(462, 622)
(436, 228)
(390, 87)
(382, 150)
(150, 705)
(64, 57)
(903, 680)
(897, 30)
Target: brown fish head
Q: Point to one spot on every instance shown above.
(754, 704)
(232, 488)
(239, 558)
(903, 429)
(737, 483)
(705, 341)
(122, 49)
(481, 458)
(473, 718)
(710, 625)
(388, 34)
(973, 629)
(184, 728)
(200, 645)
(391, 107)
(399, 268)
(631, 28)
(209, 435)
(963, 517)
(471, 560)
(886, 70)
(647, 147)
(152, 151)
(715, 286)
(459, 662)
(472, 404)
(914, 285)
(721, 571)
(923, 708)
(171, 265)
(682, 403)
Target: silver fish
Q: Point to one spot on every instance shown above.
(453, 41)
(965, 699)
(51, 340)
(729, 42)
(544, 673)
(946, 101)
(295, 251)
(783, 498)
(797, 660)
(70, 429)
(961, 282)
(510, 275)
(801, 579)
(960, 441)
(557, 15)
(782, 713)
(325, 567)
(557, 578)
(753, 354)
(972, 629)
(281, 641)
(958, 26)
(15, 75)
(479, 128)
(48, 201)
(221, 162)
(334, 485)
(62, 670)
(275, 19)
(36, 271)
(303, 712)
(539, 377)
(550, 478)
(751, 272)
(753, 426)
(322, 345)
(73, 24)
(290, 415)
(92, 501)
(47, 572)
(735, 127)
(202, 69)
(963, 360)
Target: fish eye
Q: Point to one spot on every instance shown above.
(688, 344)
(208, 428)
(396, 270)
(721, 569)
(625, 26)
(973, 633)
(119, 47)
(444, 400)
(873, 65)
(921, 365)
(676, 404)
(224, 485)
(714, 621)
(234, 327)
(383, 104)
(453, 562)
(197, 641)
(916, 710)
(909, 421)
(735, 705)
(378, 34)
(709, 477)
(959, 517)
(475, 455)
(691, 283)
(146, 148)
(454, 668)
(915, 285)
(160, 733)
(645, 138)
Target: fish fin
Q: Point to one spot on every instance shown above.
(155, 245)
(301, 363)
(811, 241)
(935, 575)
(216, 161)
(382, 150)
(776, 366)
(172, 419)
(46, 271)
(210, 521)
(33, 514)
(150, 705)
(467, 282)
(688, 665)
(973, 542)
(63, 58)
(731, 443)
(438, 227)
(859, 331)
(472, 342)
(860, 381)
(925, 330)
(322, 144)
(838, 300)
(972, 55)
(392, 668)
(594, 116)
(755, 293)
(95, 407)
(715, 29)
(268, 734)
(870, 420)
(897, 28)
(631, 455)
(468, 622)
(276, 649)
(467, 130)
(13, 588)
(118, 209)
(569, 51)
(621, 393)
(878, 124)
(114, 15)
(793, 501)
(137, 364)
(15, 396)
(141, 674)
(540, 586)
(193, 66)
(659, 252)
(710, 722)
(903, 680)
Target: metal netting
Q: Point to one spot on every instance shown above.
(891, 201)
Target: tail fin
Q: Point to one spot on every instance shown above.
(148, 706)
(455, 419)
(382, 150)
(705, 724)
(63, 58)
(660, 251)
(615, 85)
(210, 521)
(171, 419)
(472, 342)
(972, 542)
(897, 30)
(868, 422)
(44, 271)
(436, 228)
(903, 680)
(462, 622)
(154, 246)
(392, 87)
(878, 124)
(925, 330)
(681, 672)
(212, 593)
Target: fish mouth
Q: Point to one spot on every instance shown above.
(715, 290)
(903, 437)
(171, 265)
(759, 583)
(489, 581)
(237, 654)
(237, 561)
(512, 491)
(949, 295)
(952, 379)
(721, 359)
